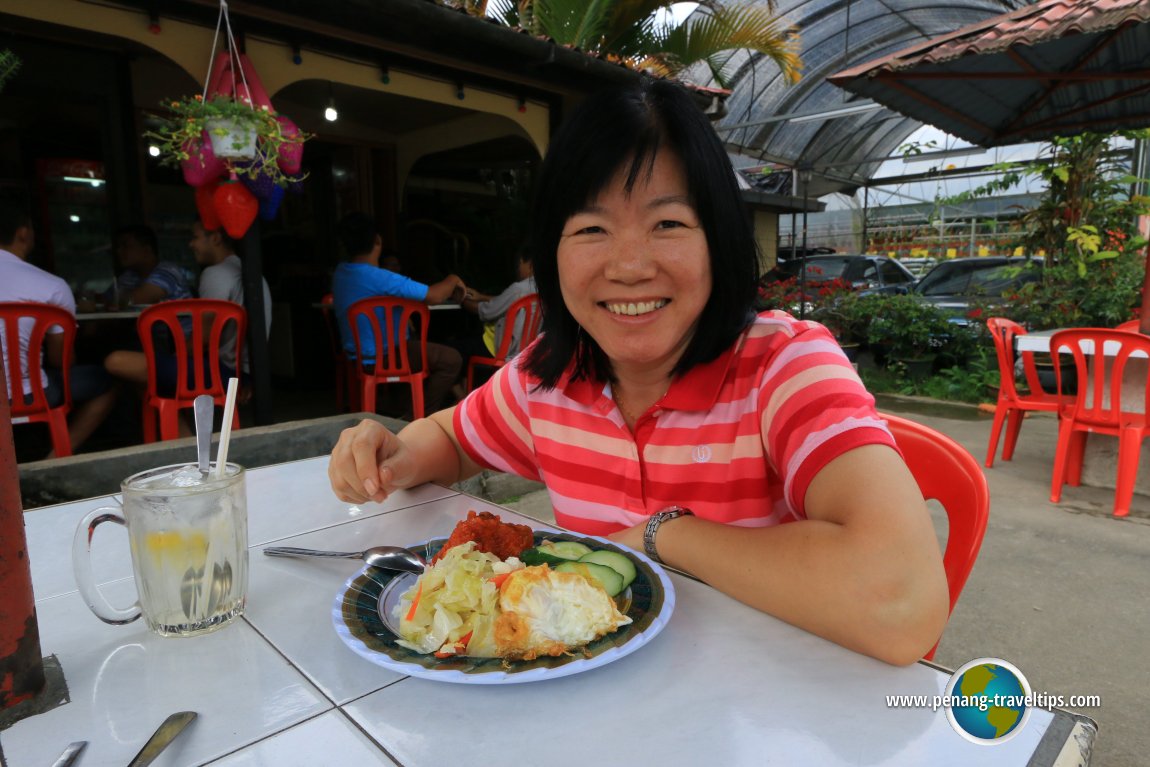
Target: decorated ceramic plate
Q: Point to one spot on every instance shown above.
(364, 619)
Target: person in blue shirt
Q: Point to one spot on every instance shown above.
(361, 276)
(145, 279)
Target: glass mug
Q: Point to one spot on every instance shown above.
(189, 542)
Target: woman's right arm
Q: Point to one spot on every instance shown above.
(369, 462)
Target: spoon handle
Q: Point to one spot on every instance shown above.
(290, 551)
(204, 409)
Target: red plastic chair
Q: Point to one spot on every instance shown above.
(387, 318)
(27, 358)
(947, 473)
(1130, 326)
(344, 367)
(1012, 404)
(525, 314)
(1099, 406)
(190, 360)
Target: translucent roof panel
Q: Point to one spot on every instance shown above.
(845, 151)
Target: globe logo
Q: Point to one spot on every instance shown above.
(990, 701)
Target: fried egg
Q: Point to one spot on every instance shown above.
(543, 612)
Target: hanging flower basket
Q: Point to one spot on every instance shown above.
(233, 138)
(230, 130)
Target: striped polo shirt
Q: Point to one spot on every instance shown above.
(737, 440)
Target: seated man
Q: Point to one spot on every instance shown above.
(222, 280)
(360, 276)
(145, 279)
(493, 311)
(92, 392)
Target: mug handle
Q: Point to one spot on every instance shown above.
(82, 567)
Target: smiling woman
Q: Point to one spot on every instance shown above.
(661, 411)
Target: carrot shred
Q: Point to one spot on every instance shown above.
(414, 603)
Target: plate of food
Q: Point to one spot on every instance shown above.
(505, 604)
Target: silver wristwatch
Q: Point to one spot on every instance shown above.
(656, 519)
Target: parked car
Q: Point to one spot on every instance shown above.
(861, 271)
(918, 266)
(955, 284)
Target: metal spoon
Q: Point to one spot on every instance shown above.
(204, 408)
(165, 734)
(221, 586)
(383, 557)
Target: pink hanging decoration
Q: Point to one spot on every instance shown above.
(291, 151)
(202, 164)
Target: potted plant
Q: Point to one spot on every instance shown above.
(909, 330)
(848, 317)
(204, 136)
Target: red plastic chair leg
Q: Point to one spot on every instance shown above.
(417, 398)
(169, 422)
(367, 396)
(1013, 426)
(58, 426)
(1061, 455)
(148, 418)
(995, 431)
(1077, 453)
(1129, 451)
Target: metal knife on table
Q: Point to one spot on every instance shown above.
(70, 753)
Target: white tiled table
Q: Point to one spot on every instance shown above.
(723, 684)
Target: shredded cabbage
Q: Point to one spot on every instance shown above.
(456, 598)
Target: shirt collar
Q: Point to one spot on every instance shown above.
(697, 389)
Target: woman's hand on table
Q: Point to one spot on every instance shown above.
(368, 463)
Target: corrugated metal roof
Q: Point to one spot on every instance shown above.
(1058, 67)
(1044, 21)
(845, 152)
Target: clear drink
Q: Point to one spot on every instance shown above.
(188, 538)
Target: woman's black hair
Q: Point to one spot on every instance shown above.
(624, 128)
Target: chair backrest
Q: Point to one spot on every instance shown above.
(387, 320)
(1004, 332)
(1102, 358)
(947, 473)
(1130, 326)
(189, 351)
(26, 361)
(525, 317)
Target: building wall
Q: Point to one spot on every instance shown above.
(767, 236)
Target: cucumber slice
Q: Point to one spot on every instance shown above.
(572, 550)
(610, 580)
(554, 553)
(541, 555)
(620, 563)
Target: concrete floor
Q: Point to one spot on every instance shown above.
(1058, 590)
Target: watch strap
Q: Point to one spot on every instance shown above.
(652, 528)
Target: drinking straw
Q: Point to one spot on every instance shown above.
(226, 428)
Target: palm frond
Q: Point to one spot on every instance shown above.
(703, 37)
(577, 23)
